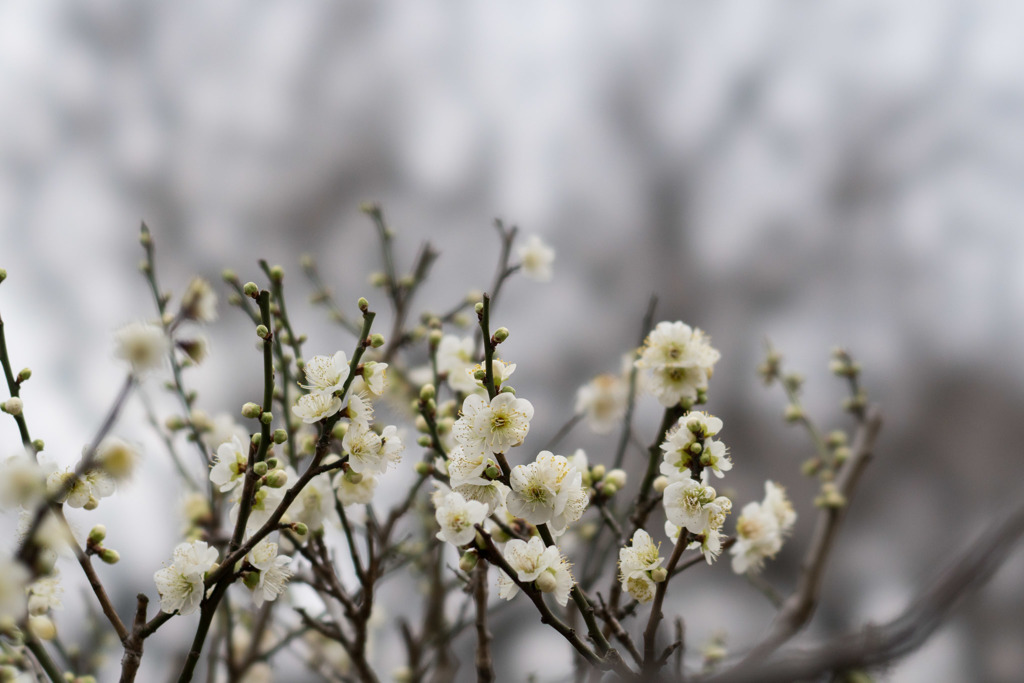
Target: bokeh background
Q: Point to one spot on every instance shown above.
(814, 173)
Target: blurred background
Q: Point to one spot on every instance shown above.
(813, 173)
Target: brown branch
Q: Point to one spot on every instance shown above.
(484, 662)
(651, 632)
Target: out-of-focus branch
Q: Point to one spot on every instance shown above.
(875, 645)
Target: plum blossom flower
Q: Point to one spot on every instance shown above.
(228, 471)
(761, 529)
(536, 258)
(602, 402)
(326, 374)
(493, 426)
(181, 585)
(547, 491)
(636, 562)
(312, 408)
(374, 376)
(369, 452)
(458, 517)
(455, 359)
(144, 346)
(678, 361)
(199, 302)
(544, 566)
(689, 446)
(274, 572)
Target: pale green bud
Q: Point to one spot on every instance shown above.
(500, 335)
(376, 340)
(546, 582)
(24, 375)
(260, 469)
(423, 441)
(109, 556)
(97, 534)
(423, 468)
(300, 528)
(277, 273)
(250, 289)
(251, 410)
(262, 332)
(597, 472)
(363, 304)
(659, 574)
(467, 562)
(353, 477)
(427, 392)
(616, 477)
(277, 478)
(280, 436)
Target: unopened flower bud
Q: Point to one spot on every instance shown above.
(250, 289)
(659, 574)
(597, 472)
(251, 410)
(478, 307)
(38, 445)
(277, 273)
(300, 528)
(696, 447)
(546, 582)
(92, 503)
(353, 477)
(363, 304)
(24, 374)
(836, 438)
(616, 477)
(260, 469)
(266, 418)
(479, 374)
(280, 436)
(794, 413)
(508, 390)
(467, 562)
(811, 467)
(262, 332)
(830, 497)
(421, 424)
(97, 534)
(3, 274)
(251, 580)
(13, 405)
(660, 484)
(109, 556)
(256, 439)
(271, 463)
(423, 441)
(376, 340)
(434, 338)
(42, 627)
(500, 335)
(842, 454)
(229, 275)
(423, 468)
(609, 489)
(277, 478)
(492, 472)
(427, 392)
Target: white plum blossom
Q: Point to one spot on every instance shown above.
(312, 408)
(85, 491)
(315, 503)
(144, 346)
(689, 446)
(374, 376)
(264, 503)
(22, 481)
(199, 302)
(536, 258)
(274, 571)
(359, 492)
(44, 595)
(369, 452)
(117, 457)
(709, 539)
(602, 402)
(455, 359)
(228, 471)
(499, 369)
(181, 585)
(359, 409)
(547, 491)
(544, 566)
(490, 492)
(458, 517)
(761, 529)
(678, 362)
(326, 374)
(493, 426)
(636, 562)
(14, 580)
(688, 504)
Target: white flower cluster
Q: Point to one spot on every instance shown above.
(761, 529)
(678, 361)
(534, 562)
(548, 491)
(640, 567)
(458, 517)
(181, 585)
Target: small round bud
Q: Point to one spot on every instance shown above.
(353, 477)
(262, 332)
(42, 627)
(660, 484)
(830, 497)
(608, 489)
(423, 441)
(793, 381)
(271, 463)
(421, 424)
(229, 275)
(508, 390)
(696, 448)
(110, 556)
(659, 574)
(794, 413)
(597, 472)
(492, 472)
(500, 335)
(445, 425)
(260, 469)
(250, 289)
(277, 273)
(280, 436)
(479, 374)
(406, 281)
(251, 580)
(467, 562)
(251, 410)
(339, 430)
(478, 307)
(363, 304)
(473, 296)
(376, 340)
(256, 439)
(97, 534)
(13, 405)
(546, 582)
(616, 477)
(430, 406)
(435, 337)
(38, 445)
(266, 418)
(427, 392)
(842, 454)
(24, 375)
(836, 438)
(3, 274)
(277, 478)
(92, 503)
(423, 468)
(300, 528)
(811, 467)
(378, 279)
